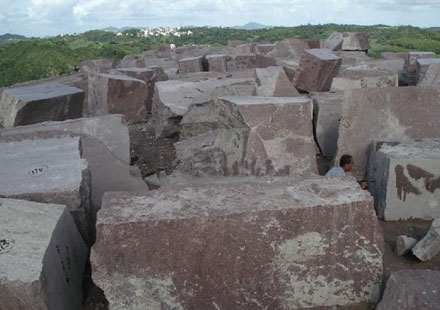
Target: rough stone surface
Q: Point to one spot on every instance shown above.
(289, 48)
(192, 64)
(247, 48)
(240, 245)
(150, 76)
(264, 49)
(406, 178)
(412, 290)
(118, 94)
(393, 113)
(429, 246)
(404, 244)
(409, 74)
(317, 69)
(355, 41)
(42, 257)
(327, 108)
(422, 66)
(242, 62)
(334, 41)
(432, 77)
(280, 139)
(39, 103)
(96, 66)
(47, 170)
(173, 98)
(364, 79)
(273, 82)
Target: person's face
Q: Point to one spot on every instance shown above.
(349, 167)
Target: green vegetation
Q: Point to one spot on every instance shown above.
(29, 59)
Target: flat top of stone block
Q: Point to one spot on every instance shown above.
(42, 91)
(27, 229)
(216, 56)
(119, 77)
(417, 149)
(150, 69)
(421, 53)
(180, 202)
(191, 58)
(266, 45)
(428, 61)
(358, 74)
(322, 53)
(40, 166)
(254, 100)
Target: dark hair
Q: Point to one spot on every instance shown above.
(345, 160)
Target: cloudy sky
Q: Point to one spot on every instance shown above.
(51, 17)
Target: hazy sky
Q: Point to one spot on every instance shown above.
(51, 17)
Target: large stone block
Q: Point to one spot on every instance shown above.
(409, 74)
(429, 246)
(280, 139)
(316, 70)
(334, 41)
(422, 66)
(118, 94)
(406, 179)
(48, 170)
(355, 41)
(432, 77)
(173, 98)
(350, 79)
(289, 48)
(39, 103)
(242, 62)
(264, 49)
(218, 62)
(411, 290)
(42, 257)
(240, 245)
(96, 66)
(192, 64)
(392, 113)
(273, 82)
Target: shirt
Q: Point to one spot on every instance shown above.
(335, 172)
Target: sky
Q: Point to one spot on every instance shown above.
(52, 17)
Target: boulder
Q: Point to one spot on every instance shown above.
(43, 257)
(96, 66)
(411, 290)
(39, 103)
(48, 170)
(429, 246)
(240, 245)
(280, 138)
(406, 179)
(264, 49)
(431, 77)
(334, 41)
(118, 94)
(355, 41)
(423, 65)
(173, 98)
(316, 70)
(404, 244)
(217, 62)
(192, 64)
(150, 76)
(351, 79)
(392, 113)
(273, 82)
(327, 108)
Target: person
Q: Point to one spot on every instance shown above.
(345, 165)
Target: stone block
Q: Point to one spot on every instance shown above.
(273, 82)
(118, 94)
(42, 257)
(132, 61)
(327, 108)
(411, 290)
(262, 61)
(264, 49)
(422, 66)
(235, 43)
(355, 41)
(406, 177)
(316, 70)
(39, 103)
(218, 62)
(392, 113)
(409, 73)
(173, 98)
(240, 245)
(280, 139)
(242, 62)
(355, 79)
(404, 244)
(289, 48)
(96, 66)
(48, 170)
(247, 48)
(334, 41)
(192, 64)
(429, 246)
(355, 58)
(150, 76)
(432, 77)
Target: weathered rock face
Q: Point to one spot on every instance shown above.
(150, 76)
(393, 113)
(273, 82)
(350, 79)
(96, 66)
(410, 74)
(218, 62)
(334, 41)
(192, 64)
(411, 290)
(432, 77)
(429, 246)
(42, 257)
(289, 48)
(422, 66)
(407, 179)
(327, 108)
(404, 244)
(317, 69)
(355, 41)
(242, 62)
(247, 48)
(47, 170)
(264, 49)
(173, 98)
(39, 103)
(240, 246)
(118, 94)
(280, 138)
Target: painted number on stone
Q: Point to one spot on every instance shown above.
(38, 170)
(6, 245)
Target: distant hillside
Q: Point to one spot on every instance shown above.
(252, 26)
(9, 36)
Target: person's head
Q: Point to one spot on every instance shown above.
(346, 162)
